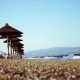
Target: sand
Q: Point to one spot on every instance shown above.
(22, 69)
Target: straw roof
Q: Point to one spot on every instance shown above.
(9, 30)
(18, 46)
(9, 36)
(17, 43)
(19, 50)
(12, 40)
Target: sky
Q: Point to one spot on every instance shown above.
(45, 23)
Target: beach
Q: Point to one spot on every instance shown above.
(25, 69)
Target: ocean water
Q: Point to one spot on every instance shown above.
(69, 57)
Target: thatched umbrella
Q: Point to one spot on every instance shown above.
(17, 45)
(9, 36)
(8, 31)
(20, 52)
(10, 40)
(17, 49)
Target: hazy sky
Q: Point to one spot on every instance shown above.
(45, 23)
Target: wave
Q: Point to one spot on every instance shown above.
(71, 56)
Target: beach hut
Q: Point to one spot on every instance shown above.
(9, 31)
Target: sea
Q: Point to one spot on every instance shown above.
(69, 57)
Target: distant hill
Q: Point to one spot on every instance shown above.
(54, 51)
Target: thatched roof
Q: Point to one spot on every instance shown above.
(20, 50)
(17, 43)
(9, 36)
(8, 30)
(12, 40)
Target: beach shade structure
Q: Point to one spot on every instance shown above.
(17, 51)
(9, 36)
(18, 47)
(20, 52)
(21, 46)
(17, 44)
(14, 39)
(9, 31)
(10, 40)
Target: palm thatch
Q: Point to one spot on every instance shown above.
(12, 40)
(8, 30)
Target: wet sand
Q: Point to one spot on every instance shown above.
(22, 69)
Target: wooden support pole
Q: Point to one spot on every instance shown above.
(8, 47)
(13, 51)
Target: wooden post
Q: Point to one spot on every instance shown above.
(20, 56)
(13, 51)
(8, 47)
(17, 52)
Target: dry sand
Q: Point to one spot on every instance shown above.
(22, 69)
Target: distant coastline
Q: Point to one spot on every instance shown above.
(53, 52)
